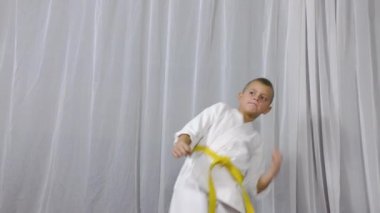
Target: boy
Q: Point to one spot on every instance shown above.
(225, 155)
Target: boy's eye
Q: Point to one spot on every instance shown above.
(262, 98)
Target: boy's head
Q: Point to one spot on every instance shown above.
(256, 98)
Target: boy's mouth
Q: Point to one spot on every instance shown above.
(252, 104)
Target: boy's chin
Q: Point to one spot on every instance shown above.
(251, 110)
(251, 113)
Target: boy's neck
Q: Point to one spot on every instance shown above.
(247, 117)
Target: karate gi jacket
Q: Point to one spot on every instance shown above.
(222, 129)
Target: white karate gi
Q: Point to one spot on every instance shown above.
(223, 130)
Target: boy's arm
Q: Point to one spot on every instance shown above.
(190, 135)
(267, 178)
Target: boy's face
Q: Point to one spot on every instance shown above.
(256, 99)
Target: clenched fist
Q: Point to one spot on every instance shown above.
(182, 146)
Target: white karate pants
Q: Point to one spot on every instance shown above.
(188, 198)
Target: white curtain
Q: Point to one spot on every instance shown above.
(92, 91)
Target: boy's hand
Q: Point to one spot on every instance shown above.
(182, 147)
(265, 179)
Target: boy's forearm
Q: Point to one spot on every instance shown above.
(264, 182)
(265, 179)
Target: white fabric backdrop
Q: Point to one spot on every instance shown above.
(91, 93)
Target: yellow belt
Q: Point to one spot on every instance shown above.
(231, 168)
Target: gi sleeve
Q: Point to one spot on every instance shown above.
(198, 127)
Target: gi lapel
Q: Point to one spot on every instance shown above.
(229, 137)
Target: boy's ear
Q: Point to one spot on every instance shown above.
(240, 96)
